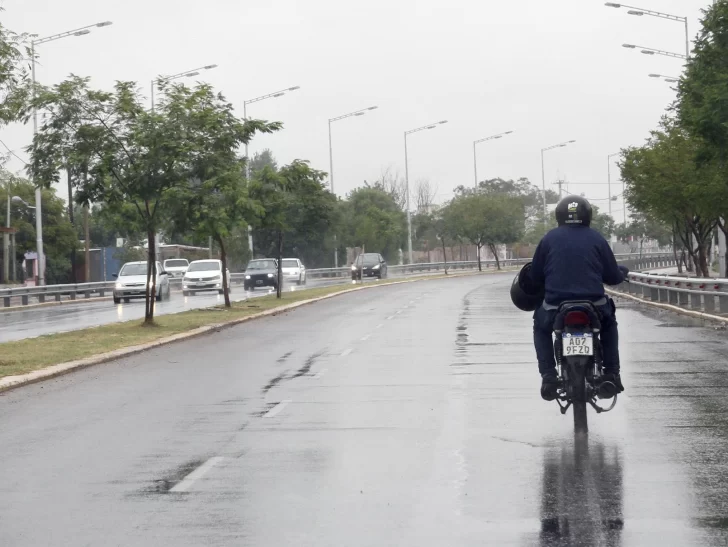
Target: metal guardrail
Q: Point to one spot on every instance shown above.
(692, 293)
(87, 290)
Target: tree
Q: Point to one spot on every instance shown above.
(261, 160)
(602, 223)
(311, 212)
(375, 221)
(665, 181)
(58, 234)
(15, 89)
(392, 183)
(487, 219)
(128, 156)
(425, 193)
(702, 105)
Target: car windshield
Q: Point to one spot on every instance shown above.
(204, 267)
(263, 265)
(133, 269)
(290, 263)
(178, 263)
(368, 259)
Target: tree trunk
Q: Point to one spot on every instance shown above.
(495, 255)
(280, 264)
(480, 265)
(150, 293)
(674, 252)
(703, 262)
(223, 259)
(444, 254)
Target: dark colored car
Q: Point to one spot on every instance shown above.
(262, 272)
(369, 265)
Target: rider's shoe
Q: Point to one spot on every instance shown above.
(615, 379)
(549, 386)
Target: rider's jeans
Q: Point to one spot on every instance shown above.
(543, 329)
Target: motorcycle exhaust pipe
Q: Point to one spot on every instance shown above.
(606, 390)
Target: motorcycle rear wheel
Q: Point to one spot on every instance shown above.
(579, 402)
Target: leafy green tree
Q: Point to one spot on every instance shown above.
(487, 219)
(665, 181)
(603, 223)
(58, 233)
(311, 213)
(375, 221)
(702, 106)
(15, 88)
(127, 155)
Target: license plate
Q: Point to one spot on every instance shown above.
(576, 344)
(259, 282)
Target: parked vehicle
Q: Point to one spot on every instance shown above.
(176, 267)
(369, 265)
(294, 270)
(262, 272)
(131, 282)
(204, 275)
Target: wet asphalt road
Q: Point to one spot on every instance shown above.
(405, 415)
(38, 321)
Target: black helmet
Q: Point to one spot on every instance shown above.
(524, 295)
(574, 210)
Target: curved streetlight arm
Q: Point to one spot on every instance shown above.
(430, 126)
(355, 113)
(75, 32)
(271, 95)
(498, 136)
(560, 145)
(643, 11)
(191, 72)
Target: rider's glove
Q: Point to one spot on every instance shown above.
(624, 270)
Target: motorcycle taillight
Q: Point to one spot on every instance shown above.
(574, 318)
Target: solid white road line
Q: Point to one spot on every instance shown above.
(321, 373)
(379, 326)
(276, 409)
(185, 484)
(365, 338)
(346, 352)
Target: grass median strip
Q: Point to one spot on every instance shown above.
(32, 354)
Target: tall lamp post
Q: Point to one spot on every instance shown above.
(331, 163)
(641, 11)
(406, 180)
(38, 206)
(543, 173)
(475, 156)
(609, 185)
(247, 159)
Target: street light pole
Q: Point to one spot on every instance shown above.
(652, 51)
(406, 180)
(247, 158)
(609, 179)
(543, 173)
(475, 157)
(331, 163)
(641, 11)
(38, 193)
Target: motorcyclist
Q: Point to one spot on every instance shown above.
(573, 262)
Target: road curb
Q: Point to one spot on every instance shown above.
(669, 307)
(12, 382)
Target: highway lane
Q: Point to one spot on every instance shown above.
(38, 321)
(403, 415)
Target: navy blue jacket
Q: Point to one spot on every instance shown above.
(574, 263)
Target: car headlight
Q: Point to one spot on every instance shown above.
(270, 275)
(353, 267)
(247, 277)
(376, 267)
(119, 285)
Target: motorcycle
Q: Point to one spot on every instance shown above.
(578, 353)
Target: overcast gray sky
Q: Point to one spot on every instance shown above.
(549, 70)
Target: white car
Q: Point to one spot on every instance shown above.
(131, 282)
(204, 275)
(176, 267)
(294, 270)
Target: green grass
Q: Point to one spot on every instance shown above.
(22, 356)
